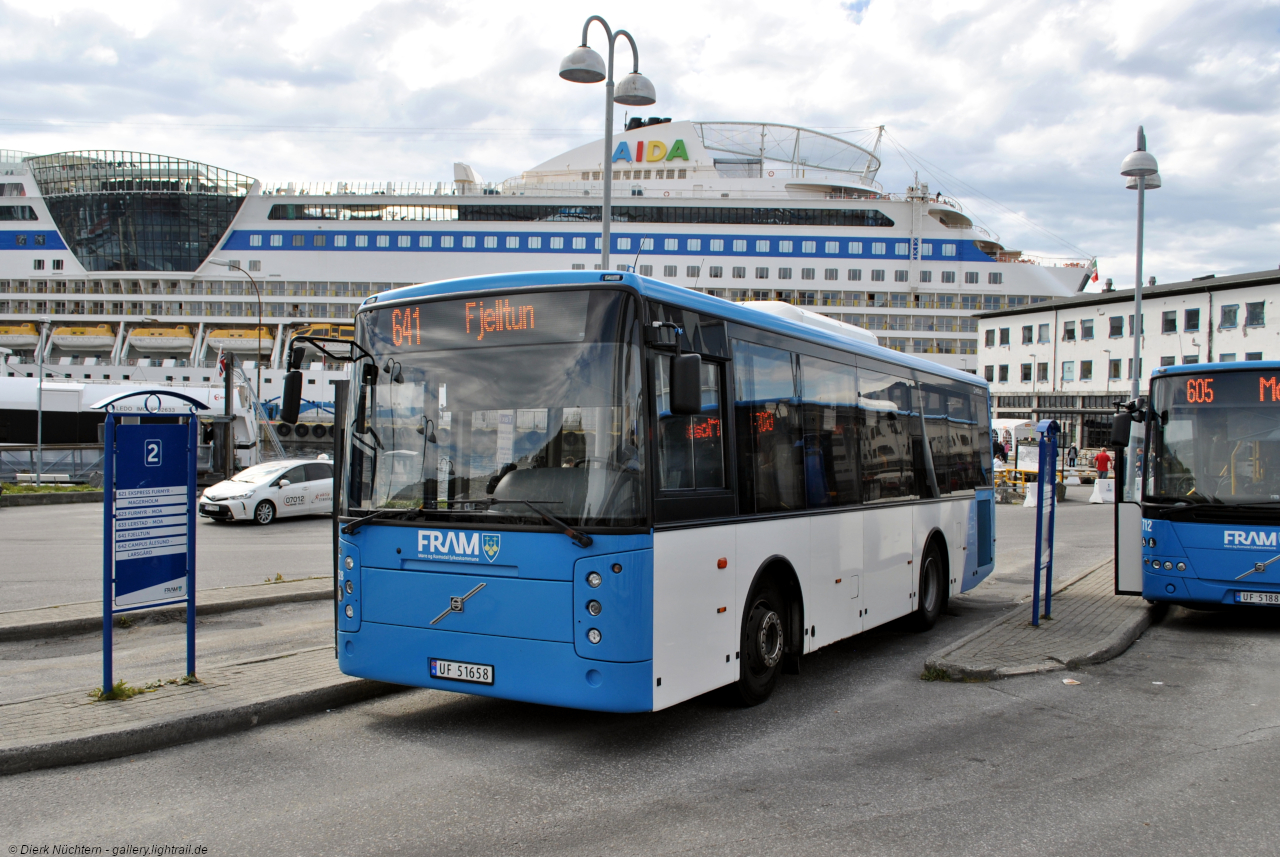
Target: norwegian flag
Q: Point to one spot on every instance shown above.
(222, 363)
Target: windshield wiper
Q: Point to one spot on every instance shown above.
(582, 539)
(400, 514)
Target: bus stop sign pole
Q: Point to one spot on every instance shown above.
(1046, 504)
(148, 521)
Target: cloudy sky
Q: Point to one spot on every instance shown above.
(1023, 109)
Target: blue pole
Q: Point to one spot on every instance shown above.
(108, 542)
(1053, 511)
(1035, 580)
(192, 446)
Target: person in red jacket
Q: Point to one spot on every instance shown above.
(1103, 463)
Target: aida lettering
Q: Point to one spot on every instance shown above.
(502, 316)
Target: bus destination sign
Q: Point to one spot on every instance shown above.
(1227, 388)
(523, 319)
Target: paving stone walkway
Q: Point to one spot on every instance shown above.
(72, 728)
(1090, 624)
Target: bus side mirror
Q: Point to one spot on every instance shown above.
(291, 396)
(1120, 428)
(368, 378)
(686, 385)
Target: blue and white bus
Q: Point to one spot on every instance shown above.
(597, 490)
(1211, 493)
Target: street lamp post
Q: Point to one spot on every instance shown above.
(258, 362)
(583, 65)
(44, 335)
(1141, 165)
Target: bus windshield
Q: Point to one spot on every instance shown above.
(1215, 438)
(489, 409)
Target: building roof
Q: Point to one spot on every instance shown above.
(1199, 285)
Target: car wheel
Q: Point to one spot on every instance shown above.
(265, 512)
(763, 640)
(932, 589)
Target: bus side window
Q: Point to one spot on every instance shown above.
(888, 468)
(769, 435)
(830, 407)
(690, 448)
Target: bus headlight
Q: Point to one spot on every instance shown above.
(350, 612)
(350, 563)
(594, 579)
(594, 608)
(593, 635)
(1182, 566)
(1151, 543)
(1168, 566)
(350, 587)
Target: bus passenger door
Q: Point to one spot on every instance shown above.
(887, 572)
(833, 594)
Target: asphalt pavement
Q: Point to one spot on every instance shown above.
(53, 554)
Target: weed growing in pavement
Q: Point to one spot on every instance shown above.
(935, 674)
(119, 690)
(278, 579)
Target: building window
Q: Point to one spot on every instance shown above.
(1190, 358)
(806, 298)
(740, 246)
(1068, 370)
(468, 241)
(694, 245)
(995, 278)
(898, 299)
(1042, 371)
(1143, 324)
(693, 271)
(762, 246)
(299, 240)
(1191, 321)
(446, 241)
(715, 272)
(948, 276)
(490, 242)
(277, 240)
(1086, 329)
(556, 242)
(670, 270)
(926, 248)
(38, 264)
(784, 246)
(1114, 373)
(1026, 373)
(1068, 331)
(1117, 326)
(1004, 374)
(784, 273)
(877, 275)
(1043, 333)
(855, 274)
(1168, 361)
(806, 273)
(671, 245)
(624, 243)
(991, 338)
(717, 245)
(1253, 355)
(832, 247)
(926, 276)
(1004, 336)
(1169, 321)
(1227, 358)
(362, 240)
(739, 272)
(255, 265)
(580, 243)
(1255, 314)
(646, 270)
(1028, 332)
(855, 248)
(989, 372)
(902, 248)
(971, 277)
(762, 273)
(948, 249)
(877, 248)
(808, 246)
(831, 274)
(1086, 370)
(1230, 315)
(899, 276)
(578, 266)
(1129, 369)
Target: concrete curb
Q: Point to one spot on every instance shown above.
(160, 733)
(58, 498)
(1114, 644)
(86, 624)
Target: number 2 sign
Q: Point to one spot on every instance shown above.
(151, 453)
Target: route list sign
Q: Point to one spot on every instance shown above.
(152, 507)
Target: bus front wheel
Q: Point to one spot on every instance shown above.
(932, 590)
(763, 641)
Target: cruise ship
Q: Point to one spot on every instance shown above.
(126, 265)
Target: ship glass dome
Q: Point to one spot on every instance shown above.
(133, 211)
(753, 143)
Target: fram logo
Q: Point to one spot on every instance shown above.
(1250, 538)
(459, 547)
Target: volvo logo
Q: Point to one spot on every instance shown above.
(456, 602)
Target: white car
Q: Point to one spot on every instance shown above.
(264, 492)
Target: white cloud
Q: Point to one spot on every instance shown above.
(1034, 104)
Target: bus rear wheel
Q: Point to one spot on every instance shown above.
(932, 590)
(264, 513)
(763, 641)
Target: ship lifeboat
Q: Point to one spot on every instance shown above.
(147, 339)
(19, 336)
(99, 337)
(242, 340)
(336, 331)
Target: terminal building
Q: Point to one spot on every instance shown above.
(1060, 357)
(124, 265)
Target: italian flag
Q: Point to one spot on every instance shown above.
(1093, 270)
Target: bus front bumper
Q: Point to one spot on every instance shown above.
(1166, 587)
(548, 673)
